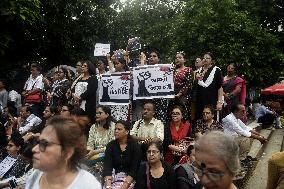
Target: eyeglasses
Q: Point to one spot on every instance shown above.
(176, 113)
(205, 113)
(152, 152)
(42, 144)
(201, 170)
(84, 65)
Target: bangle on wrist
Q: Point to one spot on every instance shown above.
(108, 187)
(220, 101)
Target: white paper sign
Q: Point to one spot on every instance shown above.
(101, 49)
(6, 165)
(153, 81)
(114, 89)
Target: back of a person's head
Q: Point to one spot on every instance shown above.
(220, 145)
(236, 107)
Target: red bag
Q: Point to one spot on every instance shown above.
(33, 98)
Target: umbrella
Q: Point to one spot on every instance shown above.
(277, 89)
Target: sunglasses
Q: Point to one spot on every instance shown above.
(42, 144)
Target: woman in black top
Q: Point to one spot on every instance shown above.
(123, 156)
(155, 174)
(85, 90)
(209, 89)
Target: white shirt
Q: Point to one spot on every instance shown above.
(84, 180)
(34, 83)
(30, 122)
(154, 129)
(15, 97)
(235, 127)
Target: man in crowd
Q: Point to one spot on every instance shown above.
(234, 127)
(27, 121)
(34, 85)
(148, 128)
(267, 117)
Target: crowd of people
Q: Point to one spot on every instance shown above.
(55, 134)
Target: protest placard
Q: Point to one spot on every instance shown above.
(153, 81)
(6, 165)
(114, 89)
(101, 49)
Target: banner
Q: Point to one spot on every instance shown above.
(6, 165)
(153, 81)
(114, 89)
(101, 49)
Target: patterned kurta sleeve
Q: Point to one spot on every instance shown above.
(91, 139)
(188, 82)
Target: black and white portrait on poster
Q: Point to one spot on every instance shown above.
(114, 89)
(153, 81)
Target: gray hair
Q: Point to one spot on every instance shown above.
(218, 144)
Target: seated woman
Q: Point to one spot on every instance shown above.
(175, 136)
(122, 159)
(56, 157)
(216, 160)
(101, 133)
(14, 164)
(207, 124)
(66, 110)
(155, 173)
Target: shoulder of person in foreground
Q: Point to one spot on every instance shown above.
(85, 180)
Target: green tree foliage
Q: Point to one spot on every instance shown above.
(151, 20)
(16, 17)
(233, 37)
(54, 32)
(71, 28)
